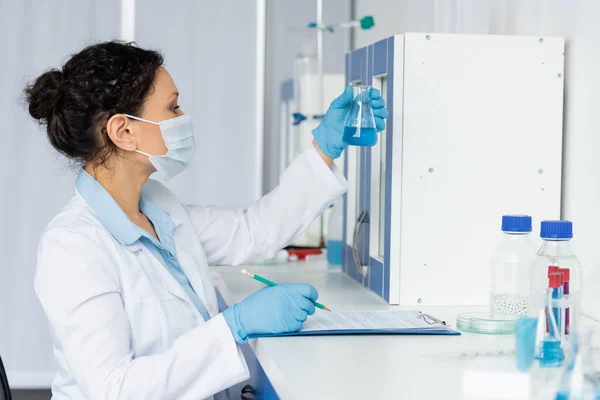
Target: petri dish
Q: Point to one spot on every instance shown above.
(487, 323)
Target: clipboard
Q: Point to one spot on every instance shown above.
(393, 322)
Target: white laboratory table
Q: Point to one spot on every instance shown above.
(357, 367)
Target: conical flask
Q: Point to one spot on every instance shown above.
(359, 129)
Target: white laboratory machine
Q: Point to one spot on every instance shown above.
(474, 133)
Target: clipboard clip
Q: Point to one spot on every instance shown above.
(431, 320)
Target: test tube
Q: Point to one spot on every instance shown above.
(556, 283)
(566, 273)
(552, 354)
(551, 269)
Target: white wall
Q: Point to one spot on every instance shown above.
(210, 50)
(35, 181)
(286, 38)
(577, 21)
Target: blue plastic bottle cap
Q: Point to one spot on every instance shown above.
(557, 230)
(516, 223)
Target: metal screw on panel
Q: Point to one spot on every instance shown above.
(541, 40)
(419, 300)
(431, 170)
(541, 171)
(559, 75)
(427, 37)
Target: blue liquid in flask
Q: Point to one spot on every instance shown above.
(368, 136)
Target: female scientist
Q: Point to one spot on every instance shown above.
(122, 270)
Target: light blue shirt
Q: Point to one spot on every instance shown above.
(106, 209)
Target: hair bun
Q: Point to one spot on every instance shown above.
(44, 94)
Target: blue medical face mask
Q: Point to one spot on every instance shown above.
(178, 134)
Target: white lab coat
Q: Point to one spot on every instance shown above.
(124, 328)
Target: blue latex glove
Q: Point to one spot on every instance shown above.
(277, 309)
(328, 134)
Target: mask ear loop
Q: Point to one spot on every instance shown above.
(141, 152)
(143, 120)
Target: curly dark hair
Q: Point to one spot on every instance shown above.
(76, 102)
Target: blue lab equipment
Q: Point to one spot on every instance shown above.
(328, 134)
(365, 23)
(335, 249)
(335, 246)
(552, 353)
(366, 117)
(359, 129)
(277, 309)
(525, 330)
(365, 137)
(298, 118)
(314, 25)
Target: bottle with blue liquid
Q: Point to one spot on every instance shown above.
(360, 129)
(335, 246)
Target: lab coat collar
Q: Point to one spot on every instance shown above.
(110, 214)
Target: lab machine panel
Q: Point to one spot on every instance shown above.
(474, 132)
(355, 200)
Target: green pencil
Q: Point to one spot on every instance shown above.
(269, 283)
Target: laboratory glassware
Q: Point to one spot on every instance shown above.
(359, 129)
(556, 255)
(511, 261)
